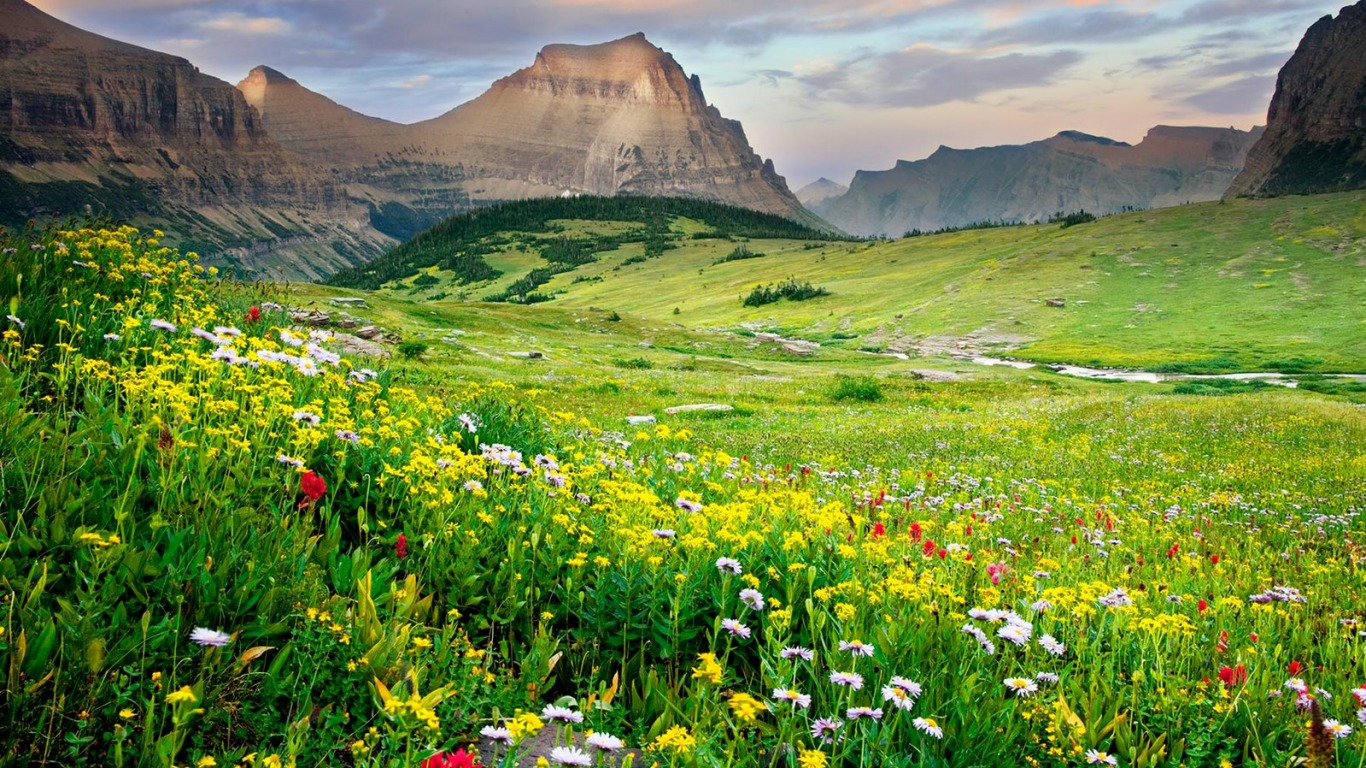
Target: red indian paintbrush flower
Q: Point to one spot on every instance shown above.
(253, 314)
(1232, 676)
(401, 547)
(457, 759)
(879, 530)
(312, 485)
(1295, 668)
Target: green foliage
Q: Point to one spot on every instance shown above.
(918, 232)
(741, 253)
(1216, 364)
(1316, 166)
(460, 234)
(635, 363)
(788, 289)
(1219, 387)
(523, 291)
(413, 349)
(1071, 219)
(863, 389)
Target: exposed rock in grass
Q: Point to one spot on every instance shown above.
(349, 344)
(713, 407)
(311, 317)
(929, 374)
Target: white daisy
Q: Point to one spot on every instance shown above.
(928, 725)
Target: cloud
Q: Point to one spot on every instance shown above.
(923, 76)
(416, 82)
(1076, 27)
(1245, 96)
(1260, 64)
(239, 22)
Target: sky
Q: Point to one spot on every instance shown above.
(823, 87)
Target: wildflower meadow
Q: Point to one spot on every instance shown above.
(223, 542)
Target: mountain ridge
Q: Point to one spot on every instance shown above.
(1068, 171)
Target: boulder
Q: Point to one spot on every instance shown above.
(311, 317)
(354, 346)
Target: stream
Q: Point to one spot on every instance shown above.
(1120, 374)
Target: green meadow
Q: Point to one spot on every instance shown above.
(227, 540)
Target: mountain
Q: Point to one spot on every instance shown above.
(619, 117)
(1315, 137)
(819, 192)
(89, 123)
(1068, 172)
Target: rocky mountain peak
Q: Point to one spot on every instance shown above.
(1315, 138)
(629, 69)
(268, 76)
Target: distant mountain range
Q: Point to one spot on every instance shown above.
(1023, 183)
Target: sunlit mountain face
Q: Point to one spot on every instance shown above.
(804, 75)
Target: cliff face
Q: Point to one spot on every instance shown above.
(1068, 172)
(1316, 127)
(600, 119)
(90, 122)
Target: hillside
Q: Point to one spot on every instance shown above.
(459, 244)
(1241, 285)
(89, 124)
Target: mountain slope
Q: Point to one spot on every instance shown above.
(1068, 172)
(620, 117)
(92, 123)
(1315, 138)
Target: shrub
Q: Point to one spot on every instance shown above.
(788, 289)
(637, 363)
(864, 389)
(412, 350)
(741, 253)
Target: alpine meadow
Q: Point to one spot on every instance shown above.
(557, 430)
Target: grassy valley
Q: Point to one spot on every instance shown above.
(1217, 287)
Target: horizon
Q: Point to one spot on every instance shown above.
(825, 91)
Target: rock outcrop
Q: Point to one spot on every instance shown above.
(1022, 183)
(89, 123)
(1315, 138)
(620, 117)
